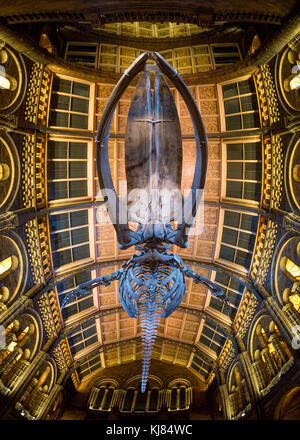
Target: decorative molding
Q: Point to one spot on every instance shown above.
(265, 244)
(267, 96)
(245, 314)
(33, 171)
(63, 356)
(36, 231)
(227, 355)
(273, 171)
(49, 312)
(38, 95)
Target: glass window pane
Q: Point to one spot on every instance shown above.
(77, 150)
(59, 119)
(86, 304)
(252, 191)
(57, 190)
(78, 188)
(229, 236)
(253, 171)
(232, 106)
(234, 151)
(222, 278)
(246, 240)
(59, 221)
(249, 222)
(61, 240)
(81, 252)
(57, 150)
(62, 257)
(57, 170)
(89, 332)
(61, 102)
(231, 218)
(75, 339)
(251, 120)
(236, 285)
(80, 235)
(249, 103)
(80, 105)
(77, 348)
(243, 258)
(81, 89)
(69, 311)
(233, 122)
(229, 90)
(253, 151)
(234, 189)
(61, 85)
(91, 341)
(66, 285)
(234, 170)
(77, 169)
(83, 277)
(78, 121)
(79, 218)
(246, 86)
(215, 304)
(227, 253)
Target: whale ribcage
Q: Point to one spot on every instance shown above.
(152, 287)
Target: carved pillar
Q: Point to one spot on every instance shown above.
(220, 375)
(44, 409)
(261, 373)
(16, 373)
(233, 403)
(270, 363)
(283, 356)
(289, 310)
(250, 377)
(10, 360)
(280, 319)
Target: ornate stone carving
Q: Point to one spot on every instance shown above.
(33, 171)
(49, 312)
(267, 96)
(265, 243)
(38, 249)
(273, 171)
(38, 95)
(245, 314)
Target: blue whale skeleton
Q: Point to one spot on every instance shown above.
(152, 283)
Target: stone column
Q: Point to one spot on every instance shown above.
(280, 319)
(260, 371)
(224, 393)
(44, 409)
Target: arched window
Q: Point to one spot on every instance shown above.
(179, 396)
(21, 342)
(101, 399)
(290, 269)
(8, 265)
(4, 171)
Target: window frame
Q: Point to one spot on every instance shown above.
(232, 265)
(238, 96)
(90, 170)
(90, 99)
(90, 225)
(224, 179)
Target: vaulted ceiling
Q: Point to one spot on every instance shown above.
(100, 333)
